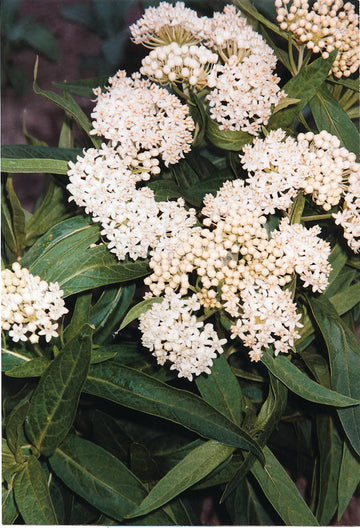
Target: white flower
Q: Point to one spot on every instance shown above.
(268, 317)
(349, 217)
(167, 23)
(174, 334)
(29, 305)
(243, 91)
(139, 116)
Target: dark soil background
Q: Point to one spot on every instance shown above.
(43, 121)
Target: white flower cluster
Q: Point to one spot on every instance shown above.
(173, 333)
(30, 306)
(349, 217)
(242, 88)
(326, 26)
(179, 64)
(139, 116)
(167, 23)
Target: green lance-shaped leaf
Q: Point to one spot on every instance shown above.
(248, 7)
(56, 397)
(282, 492)
(17, 217)
(37, 159)
(63, 254)
(97, 476)
(9, 508)
(133, 389)
(227, 139)
(32, 494)
(330, 453)
(195, 466)
(83, 87)
(222, 391)
(70, 106)
(349, 478)
(344, 356)
(14, 427)
(138, 309)
(329, 115)
(11, 358)
(29, 369)
(303, 86)
(299, 383)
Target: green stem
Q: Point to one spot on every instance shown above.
(291, 57)
(38, 350)
(316, 217)
(300, 58)
(297, 208)
(207, 314)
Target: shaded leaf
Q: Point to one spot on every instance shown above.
(329, 115)
(128, 387)
(227, 139)
(196, 465)
(56, 397)
(29, 369)
(282, 492)
(349, 478)
(297, 381)
(222, 391)
(330, 453)
(344, 356)
(84, 87)
(9, 508)
(14, 427)
(37, 159)
(303, 86)
(97, 476)
(32, 494)
(17, 218)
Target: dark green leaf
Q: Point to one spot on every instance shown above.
(80, 315)
(109, 309)
(195, 466)
(32, 494)
(29, 369)
(330, 453)
(248, 7)
(282, 492)
(9, 465)
(349, 478)
(138, 309)
(41, 39)
(227, 139)
(346, 299)
(17, 217)
(7, 230)
(70, 106)
(9, 509)
(195, 194)
(14, 428)
(97, 476)
(303, 86)
(222, 391)
(330, 116)
(128, 387)
(10, 359)
(56, 397)
(37, 159)
(165, 190)
(297, 381)
(344, 356)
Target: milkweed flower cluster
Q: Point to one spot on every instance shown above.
(174, 334)
(30, 306)
(326, 26)
(222, 54)
(226, 258)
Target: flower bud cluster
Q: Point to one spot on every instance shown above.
(179, 64)
(30, 306)
(328, 25)
(136, 116)
(349, 216)
(173, 333)
(329, 167)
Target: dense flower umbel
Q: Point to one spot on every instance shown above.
(328, 25)
(188, 65)
(349, 217)
(173, 333)
(137, 115)
(167, 23)
(30, 306)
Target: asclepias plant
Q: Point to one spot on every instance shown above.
(179, 312)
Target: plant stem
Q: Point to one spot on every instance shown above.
(316, 217)
(38, 350)
(291, 57)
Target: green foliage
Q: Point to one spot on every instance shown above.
(94, 431)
